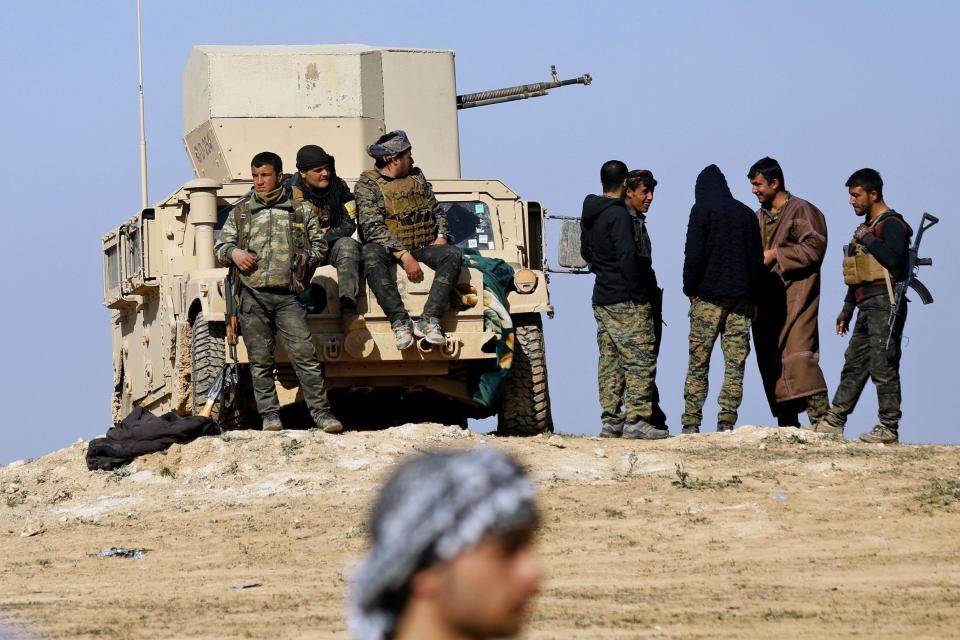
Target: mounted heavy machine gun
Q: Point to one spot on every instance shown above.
(519, 92)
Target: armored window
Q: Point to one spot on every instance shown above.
(113, 267)
(470, 224)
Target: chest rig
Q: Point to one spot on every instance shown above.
(859, 266)
(296, 232)
(408, 210)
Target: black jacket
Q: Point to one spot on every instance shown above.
(723, 257)
(889, 243)
(607, 243)
(333, 204)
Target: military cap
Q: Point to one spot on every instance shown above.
(390, 144)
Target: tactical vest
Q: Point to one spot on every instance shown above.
(296, 231)
(408, 211)
(862, 268)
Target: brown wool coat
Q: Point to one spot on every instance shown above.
(785, 333)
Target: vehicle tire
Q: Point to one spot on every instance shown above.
(207, 358)
(525, 404)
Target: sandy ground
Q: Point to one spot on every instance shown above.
(773, 533)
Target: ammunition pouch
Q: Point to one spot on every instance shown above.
(862, 268)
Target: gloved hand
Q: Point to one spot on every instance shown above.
(843, 321)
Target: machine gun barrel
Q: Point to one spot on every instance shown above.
(519, 92)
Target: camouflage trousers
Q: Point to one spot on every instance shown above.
(728, 319)
(345, 256)
(867, 358)
(263, 315)
(445, 261)
(788, 413)
(628, 361)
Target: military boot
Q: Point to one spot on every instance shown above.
(429, 329)
(642, 430)
(403, 331)
(328, 423)
(689, 429)
(611, 430)
(271, 421)
(352, 320)
(828, 425)
(880, 435)
(723, 427)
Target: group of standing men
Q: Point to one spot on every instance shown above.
(277, 235)
(742, 270)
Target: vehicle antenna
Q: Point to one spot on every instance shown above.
(143, 134)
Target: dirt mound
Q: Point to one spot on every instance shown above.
(758, 533)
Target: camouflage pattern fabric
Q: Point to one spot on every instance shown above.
(345, 256)
(444, 259)
(263, 315)
(730, 320)
(270, 235)
(787, 412)
(371, 214)
(866, 358)
(628, 362)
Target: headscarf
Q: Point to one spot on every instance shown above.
(432, 508)
(391, 144)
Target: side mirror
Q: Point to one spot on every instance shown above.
(570, 257)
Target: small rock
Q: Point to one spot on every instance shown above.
(32, 529)
(16, 463)
(246, 585)
(600, 452)
(556, 441)
(13, 488)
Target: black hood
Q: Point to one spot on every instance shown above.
(711, 186)
(594, 205)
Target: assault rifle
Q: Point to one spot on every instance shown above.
(227, 377)
(914, 262)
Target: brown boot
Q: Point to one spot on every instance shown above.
(352, 321)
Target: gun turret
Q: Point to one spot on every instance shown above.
(519, 92)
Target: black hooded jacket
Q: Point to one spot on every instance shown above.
(606, 242)
(723, 257)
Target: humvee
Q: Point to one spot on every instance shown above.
(167, 295)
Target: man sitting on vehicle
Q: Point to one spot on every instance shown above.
(401, 221)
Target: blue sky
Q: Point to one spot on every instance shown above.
(824, 87)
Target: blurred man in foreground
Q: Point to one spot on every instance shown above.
(452, 553)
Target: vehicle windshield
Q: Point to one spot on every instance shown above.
(470, 224)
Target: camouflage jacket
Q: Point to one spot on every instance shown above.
(271, 234)
(336, 213)
(371, 213)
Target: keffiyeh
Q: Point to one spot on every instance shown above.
(431, 509)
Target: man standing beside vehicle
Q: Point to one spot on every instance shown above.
(638, 197)
(318, 192)
(873, 262)
(723, 259)
(786, 330)
(401, 221)
(269, 241)
(622, 308)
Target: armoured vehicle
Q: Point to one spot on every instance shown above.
(167, 296)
